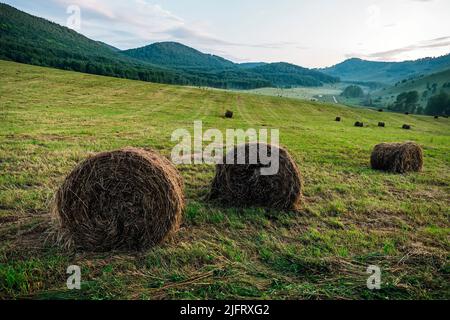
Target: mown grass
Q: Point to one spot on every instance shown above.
(353, 216)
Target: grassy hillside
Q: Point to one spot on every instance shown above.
(426, 86)
(304, 93)
(352, 217)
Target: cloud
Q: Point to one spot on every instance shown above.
(91, 5)
(394, 54)
(138, 23)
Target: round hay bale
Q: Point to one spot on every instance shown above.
(244, 185)
(406, 127)
(130, 199)
(381, 124)
(397, 157)
(229, 114)
(338, 119)
(359, 124)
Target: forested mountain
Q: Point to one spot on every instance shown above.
(426, 87)
(250, 65)
(282, 74)
(177, 55)
(28, 39)
(386, 72)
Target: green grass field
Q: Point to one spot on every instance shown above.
(324, 93)
(352, 217)
(328, 93)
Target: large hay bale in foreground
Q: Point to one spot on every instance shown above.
(397, 157)
(129, 199)
(244, 185)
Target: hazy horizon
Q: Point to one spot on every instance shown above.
(312, 34)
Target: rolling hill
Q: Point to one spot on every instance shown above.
(386, 72)
(285, 74)
(426, 86)
(28, 39)
(177, 55)
(32, 40)
(351, 217)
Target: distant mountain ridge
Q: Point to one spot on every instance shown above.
(386, 72)
(178, 56)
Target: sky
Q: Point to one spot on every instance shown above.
(309, 33)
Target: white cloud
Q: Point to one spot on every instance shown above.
(402, 52)
(137, 23)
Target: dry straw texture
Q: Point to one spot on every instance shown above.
(397, 157)
(129, 199)
(243, 184)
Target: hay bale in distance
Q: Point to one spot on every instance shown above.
(130, 199)
(338, 119)
(381, 124)
(244, 185)
(397, 157)
(229, 114)
(359, 124)
(406, 127)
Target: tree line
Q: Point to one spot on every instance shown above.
(438, 104)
